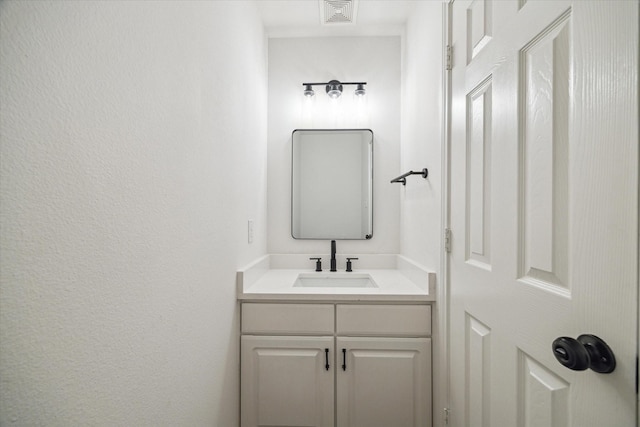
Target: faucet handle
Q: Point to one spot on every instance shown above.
(318, 263)
(349, 264)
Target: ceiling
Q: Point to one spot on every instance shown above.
(303, 18)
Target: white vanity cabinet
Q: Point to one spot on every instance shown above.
(378, 358)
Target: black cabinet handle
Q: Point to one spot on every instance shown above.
(326, 359)
(344, 359)
(318, 263)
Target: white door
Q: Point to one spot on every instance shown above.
(383, 382)
(544, 210)
(287, 381)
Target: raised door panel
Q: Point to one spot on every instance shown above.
(477, 372)
(478, 185)
(543, 397)
(544, 159)
(285, 381)
(383, 382)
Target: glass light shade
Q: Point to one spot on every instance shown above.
(334, 89)
(308, 91)
(360, 90)
(334, 93)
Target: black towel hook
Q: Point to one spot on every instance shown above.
(403, 178)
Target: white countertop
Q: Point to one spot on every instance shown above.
(259, 282)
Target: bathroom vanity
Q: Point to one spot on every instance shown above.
(336, 349)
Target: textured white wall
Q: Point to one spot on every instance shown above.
(293, 61)
(133, 151)
(422, 134)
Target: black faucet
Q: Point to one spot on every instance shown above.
(333, 256)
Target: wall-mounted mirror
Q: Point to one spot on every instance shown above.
(332, 184)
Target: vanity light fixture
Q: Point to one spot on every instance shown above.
(334, 88)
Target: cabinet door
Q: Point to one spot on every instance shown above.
(383, 382)
(285, 381)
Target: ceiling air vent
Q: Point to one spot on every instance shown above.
(338, 11)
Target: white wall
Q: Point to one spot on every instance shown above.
(293, 61)
(133, 151)
(422, 134)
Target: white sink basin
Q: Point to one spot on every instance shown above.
(334, 280)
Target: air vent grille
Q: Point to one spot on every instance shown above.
(338, 11)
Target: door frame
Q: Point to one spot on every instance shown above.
(442, 381)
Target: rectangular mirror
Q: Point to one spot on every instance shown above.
(332, 184)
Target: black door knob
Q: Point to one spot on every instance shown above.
(588, 351)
